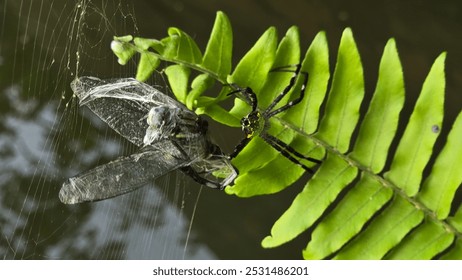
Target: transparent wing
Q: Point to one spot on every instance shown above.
(89, 88)
(124, 104)
(146, 117)
(124, 174)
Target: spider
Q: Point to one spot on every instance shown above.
(256, 123)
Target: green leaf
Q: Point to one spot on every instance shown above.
(178, 77)
(371, 147)
(316, 64)
(261, 180)
(378, 214)
(429, 237)
(220, 115)
(123, 50)
(348, 218)
(305, 115)
(415, 147)
(333, 175)
(217, 57)
(144, 44)
(346, 94)
(455, 253)
(253, 68)
(387, 230)
(148, 63)
(248, 160)
(381, 121)
(287, 53)
(439, 188)
(123, 39)
(456, 221)
(199, 85)
(180, 46)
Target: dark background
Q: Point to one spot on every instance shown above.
(43, 141)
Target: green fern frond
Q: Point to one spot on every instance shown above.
(355, 208)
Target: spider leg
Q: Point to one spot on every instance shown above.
(268, 113)
(248, 94)
(252, 98)
(239, 147)
(287, 151)
(291, 150)
(288, 87)
(202, 181)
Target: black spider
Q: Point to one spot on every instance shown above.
(256, 123)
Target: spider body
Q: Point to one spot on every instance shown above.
(257, 122)
(254, 124)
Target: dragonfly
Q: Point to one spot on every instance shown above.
(169, 136)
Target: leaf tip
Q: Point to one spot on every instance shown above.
(391, 43)
(442, 57)
(230, 190)
(293, 30)
(271, 31)
(222, 17)
(221, 14)
(347, 32)
(267, 242)
(348, 38)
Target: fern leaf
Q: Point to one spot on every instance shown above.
(148, 62)
(178, 78)
(381, 120)
(424, 242)
(217, 56)
(455, 253)
(255, 168)
(355, 209)
(456, 221)
(346, 94)
(439, 188)
(333, 175)
(374, 139)
(316, 63)
(415, 147)
(348, 218)
(342, 112)
(387, 230)
(419, 119)
(253, 68)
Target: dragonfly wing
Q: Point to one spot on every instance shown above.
(126, 115)
(124, 174)
(125, 105)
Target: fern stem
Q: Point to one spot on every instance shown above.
(196, 67)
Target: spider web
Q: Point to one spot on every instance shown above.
(46, 138)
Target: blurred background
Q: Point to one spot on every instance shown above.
(46, 138)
